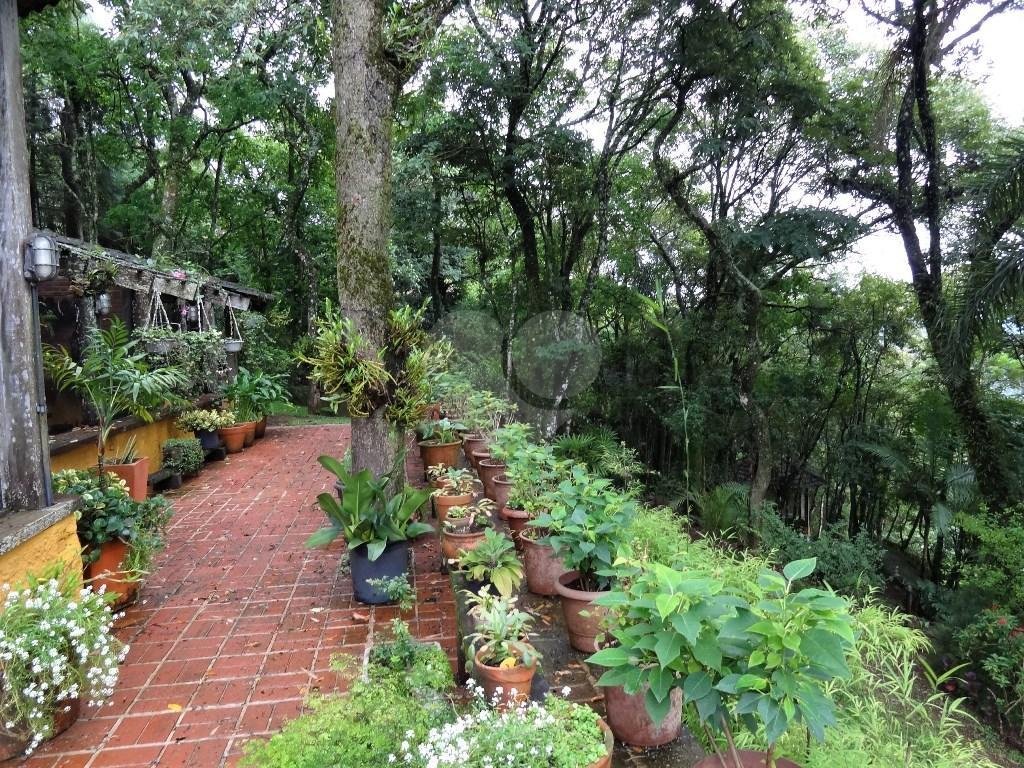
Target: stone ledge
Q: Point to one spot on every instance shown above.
(18, 527)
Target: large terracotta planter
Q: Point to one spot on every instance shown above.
(443, 503)
(233, 437)
(250, 433)
(261, 427)
(582, 617)
(488, 469)
(518, 679)
(12, 746)
(542, 566)
(628, 718)
(748, 759)
(434, 454)
(135, 474)
(453, 543)
(502, 487)
(470, 443)
(106, 571)
(517, 520)
(480, 454)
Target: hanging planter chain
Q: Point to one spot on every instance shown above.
(233, 341)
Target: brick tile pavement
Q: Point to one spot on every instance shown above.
(239, 620)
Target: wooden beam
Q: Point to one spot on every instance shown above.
(23, 481)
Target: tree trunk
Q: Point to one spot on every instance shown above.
(366, 90)
(436, 289)
(68, 152)
(23, 438)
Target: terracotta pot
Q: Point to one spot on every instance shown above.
(748, 759)
(518, 678)
(11, 746)
(431, 412)
(481, 453)
(453, 543)
(106, 571)
(445, 454)
(471, 442)
(517, 520)
(609, 745)
(135, 474)
(542, 566)
(501, 486)
(250, 433)
(582, 617)
(261, 427)
(488, 469)
(233, 437)
(628, 718)
(443, 503)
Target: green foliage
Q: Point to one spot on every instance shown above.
(198, 355)
(507, 441)
(440, 431)
(454, 481)
(397, 589)
(534, 471)
(370, 513)
(585, 519)
(421, 666)
(501, 629)
(995, 573)
(724, 509)
(252, 394)
(262, 351)
(183, 456)
(493, 561)
(152, 517)
(106, 512)
(205, 420)
(994, 645)
(114, 379)
(850, 566)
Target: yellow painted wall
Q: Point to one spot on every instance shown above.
(148, 439)
(58, 543)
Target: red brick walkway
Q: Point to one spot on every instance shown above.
(239, 620)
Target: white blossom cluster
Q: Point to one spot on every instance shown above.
(55, 648)
(527, 736)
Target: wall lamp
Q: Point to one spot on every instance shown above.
(42, 258)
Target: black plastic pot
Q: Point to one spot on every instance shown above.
(392, 563)
(209, 440)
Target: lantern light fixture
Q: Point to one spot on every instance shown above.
(103, 304)
(42, 259)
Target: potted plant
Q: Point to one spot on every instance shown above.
(107, 525)
(131, 468)
(585, 519)
(531, 473)
(234, 431)
(439, 442)
(376, 523)
(158, 340)
(455, 489)
(463, 529)
(205, 423)
(492, 562)
(182, 456)
(565, 734)
(504, 661)
(506, 443)
(57, 649)
(252, 393)
(115, 380)
(485, 413)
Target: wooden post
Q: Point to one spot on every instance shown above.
(23, 482)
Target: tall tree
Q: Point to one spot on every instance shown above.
(377, 47)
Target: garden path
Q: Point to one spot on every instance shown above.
(239, 620)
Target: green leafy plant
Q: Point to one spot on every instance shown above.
(509, 440)
(115, 379)
(128, 453)
(462, 519)
(585, 520)
(208, 420)
(533, 471)
(252, 393)
(183, 456)
(502, 630)
(57, 645)
(453, 480)
(723, 510)
(486, 412)
(369, 513)
(152, 517)
(493, 561)
(398, 590)
(440, 431)
(420, 665)
(106, 512)
(199, 355)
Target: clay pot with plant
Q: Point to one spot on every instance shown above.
(585, 518)
(377, 524)
(504, 658)
(531, 473)
(454, 489)
(131, 468)
(463, 529)
(252, 394)
(505, 445)
(439, 442)
(115, 379)
(204, 423)
(668, 626)
(233, 434)
(491, 563)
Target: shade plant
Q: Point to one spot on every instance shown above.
(493, 561)
(205, 420)
(505, 661)
(183, 456)
(106, 512)
(56, 647)
(252, 393)
(115, 379)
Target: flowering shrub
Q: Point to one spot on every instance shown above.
(556, 734)
(56, 647)
(200, 420)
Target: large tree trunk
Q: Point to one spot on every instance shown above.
(23, 440)
(366, 90)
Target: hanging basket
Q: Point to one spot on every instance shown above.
(233, 342)
(233, 345)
